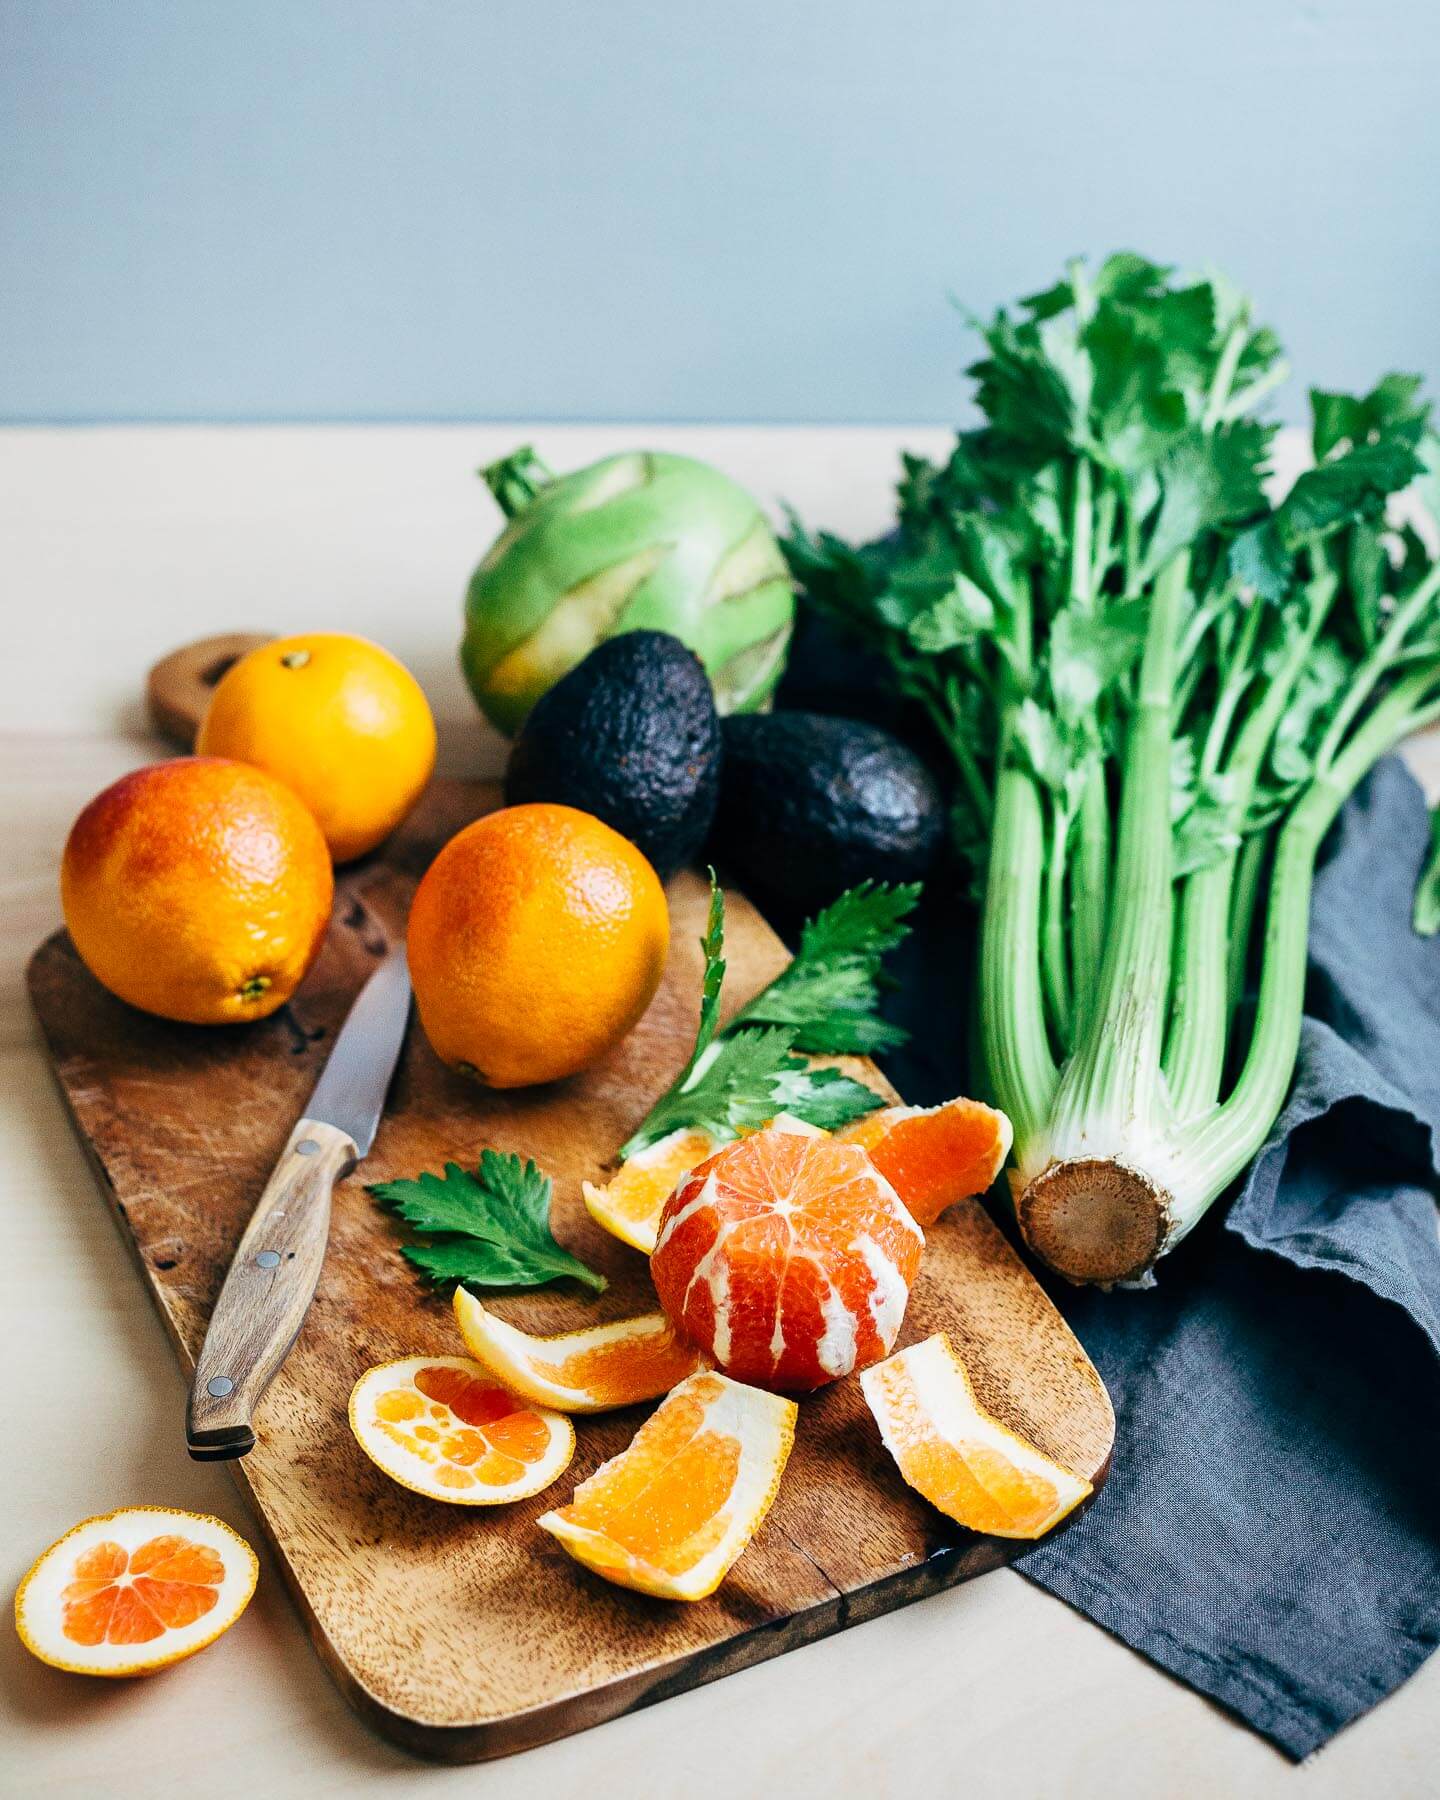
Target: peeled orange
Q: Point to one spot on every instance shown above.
(670, 1515)
(592, 1370)
(948, 1448)
(788, 1259)
(441, 1426)
(130, 1592)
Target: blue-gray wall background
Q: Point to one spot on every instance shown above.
(677, 209)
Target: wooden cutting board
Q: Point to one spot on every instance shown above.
(461, 1634)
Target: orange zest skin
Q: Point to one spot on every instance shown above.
(591, 1370)
(934, 1157)
(958, 1456)
(537, 938)
(198, 890)
(788, 1259)
(670, 1515)
(337, 719)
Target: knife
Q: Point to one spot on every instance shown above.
(271, 1281)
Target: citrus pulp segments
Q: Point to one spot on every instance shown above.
(630, 1204)
(788, 1259)
(949, 1449)
(465, 1441)
(123, 1575)
(671, 1514)
(593, 1370)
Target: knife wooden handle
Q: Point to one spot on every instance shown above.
(266, 1292)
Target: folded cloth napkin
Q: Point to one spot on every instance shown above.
(1270, 1531)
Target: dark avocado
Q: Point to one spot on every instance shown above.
(631, 735)
(809, 805)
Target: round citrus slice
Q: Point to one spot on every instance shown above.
(130, 1592)
(670, 1515)
(934, 1156)
(444, 1427)
(630, 1204)
(788, 1259)
(948, 1448)
(593, 1370)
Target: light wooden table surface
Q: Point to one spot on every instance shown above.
(115, 545)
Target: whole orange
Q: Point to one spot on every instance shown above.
(336, 718)
(536, 940)
(197, 889)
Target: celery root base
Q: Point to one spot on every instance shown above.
(1095, 1220)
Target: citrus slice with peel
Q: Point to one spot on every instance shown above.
(444, 1427)
(593, 1370)
(130, 1592)
(670, 1515)
(630, 1203)
(948, 1448)
(934, 1156)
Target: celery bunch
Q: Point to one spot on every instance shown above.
(1157, 688)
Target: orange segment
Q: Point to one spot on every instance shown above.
(630, 1204)
(593, 1370)
(788, 1259)
(670, 1515)
(441, 1426)
(948, 1448)
(133, 1591)
(936, 1156)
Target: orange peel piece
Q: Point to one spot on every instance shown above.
(593, 1370)
(671, 1514)
(964, 1461)
(934, 1156)
(443, 1427)
(130, 1592)
(629, 1205)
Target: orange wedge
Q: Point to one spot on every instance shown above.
(934, 1156)
(629, 1205)
(131, 1592)
(948, 1448)
(593, 1370)
(670, 1515)
(441, 1426)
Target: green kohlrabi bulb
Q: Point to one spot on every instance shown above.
(641, 540)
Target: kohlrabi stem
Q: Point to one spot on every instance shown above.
(516, 479)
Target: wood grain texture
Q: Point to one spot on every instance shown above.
(466, 1638)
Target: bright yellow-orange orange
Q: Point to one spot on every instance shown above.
(536, 940)
(934, 1156)
(336, 718)
(197, 889)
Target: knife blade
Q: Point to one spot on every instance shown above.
(271, 1281)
